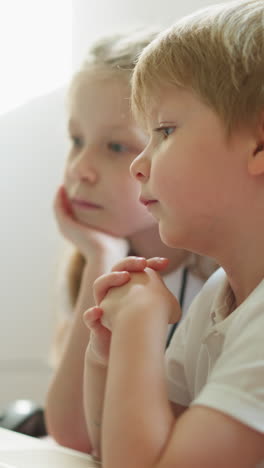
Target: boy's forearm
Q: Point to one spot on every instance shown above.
(138, 418)
(64, 406)
(94, 392)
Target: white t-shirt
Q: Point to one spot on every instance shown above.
(217, 360)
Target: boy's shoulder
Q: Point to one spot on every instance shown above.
(214, 300)
(211, 308)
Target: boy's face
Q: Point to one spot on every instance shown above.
(192, 171)
(104, 141)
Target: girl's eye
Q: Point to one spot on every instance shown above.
(117, 147)
(77, 142)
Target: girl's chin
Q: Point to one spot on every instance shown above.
(98, 227)
(125, 230)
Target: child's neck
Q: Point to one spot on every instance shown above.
(148, 244)
(244, 277)
(242, 257)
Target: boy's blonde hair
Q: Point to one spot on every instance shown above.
(218, 53)
(116, 56)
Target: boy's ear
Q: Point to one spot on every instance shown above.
(256, 161)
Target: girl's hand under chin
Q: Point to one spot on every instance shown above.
(89, 241)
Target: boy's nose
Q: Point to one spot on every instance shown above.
(140, 168)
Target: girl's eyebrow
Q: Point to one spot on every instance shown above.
(71, 125)
(116, 127)
(73, 128)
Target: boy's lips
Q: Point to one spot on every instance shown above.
(85, 204)
(147, 201)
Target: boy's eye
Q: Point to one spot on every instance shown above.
(117, 147)
(166, 131)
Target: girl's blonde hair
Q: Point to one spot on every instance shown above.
(114, 56)
(218, 53)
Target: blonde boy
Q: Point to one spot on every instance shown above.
(199, 89)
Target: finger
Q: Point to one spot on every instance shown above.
(92, 315)
(59, 207)
(92, 319)
(63, 213)
(157, 263)
(64, 200)
(61, 204)
(132, 264)
(105, 282)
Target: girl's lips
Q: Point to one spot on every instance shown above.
(85, 204)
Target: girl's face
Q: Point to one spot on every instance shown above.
(104, 141)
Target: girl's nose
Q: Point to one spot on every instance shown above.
(140, 168)
(83, 168)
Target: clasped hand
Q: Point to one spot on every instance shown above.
(133, 287)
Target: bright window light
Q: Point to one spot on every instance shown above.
(35, 49)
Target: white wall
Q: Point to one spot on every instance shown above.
(32, 150)
(94, 18)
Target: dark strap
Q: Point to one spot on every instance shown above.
(181, 301)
